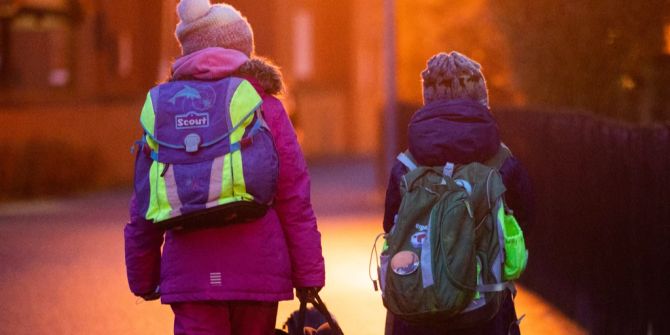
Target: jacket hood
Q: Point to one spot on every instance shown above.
(266, 73)
(457, 131)
(217, 63)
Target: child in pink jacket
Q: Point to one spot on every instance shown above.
(229, 279)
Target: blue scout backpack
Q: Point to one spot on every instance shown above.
(454, 248)
(206, 156)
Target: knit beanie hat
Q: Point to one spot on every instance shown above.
(203, 25)
(453, 76)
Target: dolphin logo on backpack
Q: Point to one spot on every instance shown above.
(188, 93)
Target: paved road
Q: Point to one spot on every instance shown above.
(62, 270)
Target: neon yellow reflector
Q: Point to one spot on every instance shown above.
(152, 144)
(159, 205)
(226, 180)
(244, 100)
(148, 116)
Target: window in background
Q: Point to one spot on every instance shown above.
(124, 65)
(38, 56)
(303, 44)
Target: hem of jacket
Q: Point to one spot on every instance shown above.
(229, 296)
(310, 283)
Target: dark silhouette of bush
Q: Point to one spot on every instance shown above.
(593, 55)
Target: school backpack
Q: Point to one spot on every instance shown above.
(206, 156)
(454, 248)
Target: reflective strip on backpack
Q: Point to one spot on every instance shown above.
(499, 261)
(148, 116)
(227, 183)
(216, 185)
(244, 100)
(479, 299)
(152, 145)
(227, 190)
(497, 287)
(221, 182)
(427, 257)
(171, 192)
(159, 205)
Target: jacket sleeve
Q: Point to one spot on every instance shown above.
(519, 195)
(293, 204)
(393, 197)
(143, 242)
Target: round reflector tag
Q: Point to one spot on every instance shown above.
(405, 263)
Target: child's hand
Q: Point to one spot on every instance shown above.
(307, 293)
(152, 296)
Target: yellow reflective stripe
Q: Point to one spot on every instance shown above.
(152, 144)
(148, 116)
(226, 180)
(232, 188)
(239, 186)
(244, 100)
(244, 197)
(159, 205)
(501, 214)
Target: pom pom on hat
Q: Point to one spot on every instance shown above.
(191, 10)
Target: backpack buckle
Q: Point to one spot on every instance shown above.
(192, 142)
(448, 169)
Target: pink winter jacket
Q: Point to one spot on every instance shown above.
(262, 260)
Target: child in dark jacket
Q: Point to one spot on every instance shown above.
(455, 125)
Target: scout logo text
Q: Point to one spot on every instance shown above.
(192, 120)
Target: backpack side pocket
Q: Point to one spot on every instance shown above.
(516, 254)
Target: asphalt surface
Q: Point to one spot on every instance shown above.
(62, 266)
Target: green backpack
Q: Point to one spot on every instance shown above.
(454, 248)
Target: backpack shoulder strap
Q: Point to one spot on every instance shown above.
(499, 158)
(406, 159)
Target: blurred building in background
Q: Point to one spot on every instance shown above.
(73, 74)
(102, 50)
(54, 50)
(70, 66)
(331, 56)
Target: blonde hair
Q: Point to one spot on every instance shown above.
(453, 76)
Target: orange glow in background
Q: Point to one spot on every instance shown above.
(75, 90)
(428, 27)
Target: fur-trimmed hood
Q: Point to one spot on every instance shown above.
(217, 63)
(265, 72)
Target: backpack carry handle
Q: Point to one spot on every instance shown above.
(311, 295)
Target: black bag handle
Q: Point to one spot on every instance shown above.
(310, 295)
